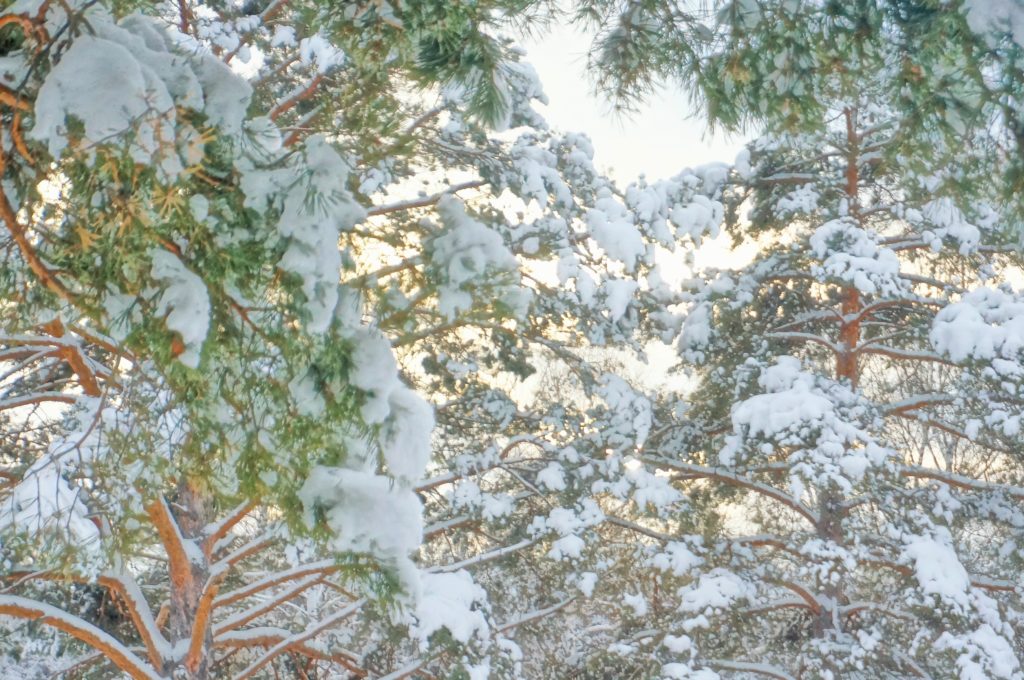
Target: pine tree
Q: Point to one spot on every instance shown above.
(228, 407)
(850, 456)
(240, 235)
(180, 363)
(857, 420)
(950, 65)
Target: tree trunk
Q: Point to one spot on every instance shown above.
(181, 525)
(185, 605)
(830, 503)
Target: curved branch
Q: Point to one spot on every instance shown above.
(124, 587)
(38, 398)
(117, 653)
(794, 336)
(425, 201)
(903, 354)
(35, 263)
(731, 478)
(962, 482)
(801, 591)
(916, 402)
(298, 640)
(319, 568)
(219, 530)
(292, 101)
(758, 668)
(141, 615)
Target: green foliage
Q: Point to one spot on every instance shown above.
(774, 65)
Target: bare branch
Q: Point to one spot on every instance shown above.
(118, 654)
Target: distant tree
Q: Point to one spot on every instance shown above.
(950, 65)
(848, 466)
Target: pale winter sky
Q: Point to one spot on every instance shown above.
(659, 140)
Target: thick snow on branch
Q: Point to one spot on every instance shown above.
(367, 513)
(453, 601)
(184, 303)
(126, 80)
(464, 252)
(850, 253)
(988, 325)
(994, 17)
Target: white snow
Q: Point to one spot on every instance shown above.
(651, 490)
(983, 654)
(100, 83)
(950, 222)
(586, 582)
(227, 95)
(791, 402)
(618, 293)
(568, 523)
(677, 558)
(405, 435)
(367, 513)
(123, 82)
(552, 477)
(612, 226)
(315, 210)
(715, 589)
(465, 252)
(637, 603)
(985, 324)
(854, 255)
(677, 644)
(375, 371)
(682, 671)
(938, 569)
(184, 303)
(988, 17)
(630, 414)
(452, 601)
(306, 395)
(317, 50)
(696, 333)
